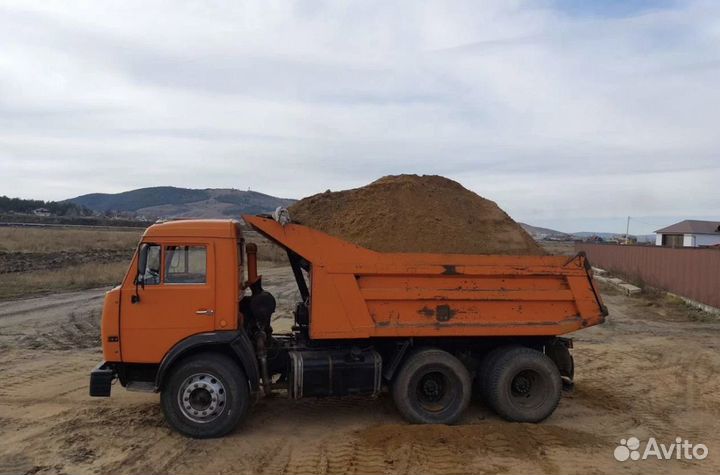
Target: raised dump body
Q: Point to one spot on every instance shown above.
(359, 293)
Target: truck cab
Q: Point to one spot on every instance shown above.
(192, 321)
(183, 280)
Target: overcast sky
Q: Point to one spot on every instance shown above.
(569, 114)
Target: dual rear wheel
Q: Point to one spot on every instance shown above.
(432, 387)
(518, 383)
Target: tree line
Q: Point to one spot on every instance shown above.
(58, 208)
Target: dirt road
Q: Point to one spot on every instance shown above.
(648, 372)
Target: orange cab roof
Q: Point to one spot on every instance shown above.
(214, 228)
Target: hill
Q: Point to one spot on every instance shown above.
(541, 233)
(552, 234)
(603, 235)
(172, 202)
(616, 236)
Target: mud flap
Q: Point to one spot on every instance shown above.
(101, 379)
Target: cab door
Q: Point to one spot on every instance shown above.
(176, 301)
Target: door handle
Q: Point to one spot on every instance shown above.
(209, 313)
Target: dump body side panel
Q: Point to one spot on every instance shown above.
(358, 293)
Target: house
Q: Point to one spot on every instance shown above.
(689, 233)
(41, 212)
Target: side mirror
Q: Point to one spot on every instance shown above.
(142, 264)
(140, 273)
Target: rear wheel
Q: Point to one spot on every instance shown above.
(523, 385)
(205, 396)
(433, 387)
(483, 371)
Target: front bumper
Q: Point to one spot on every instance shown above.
(101, 379)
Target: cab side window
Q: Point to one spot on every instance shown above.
(185, 264)
(151, 274)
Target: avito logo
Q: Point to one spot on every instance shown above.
(631, 449)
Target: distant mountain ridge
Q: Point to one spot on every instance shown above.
(174, 202)
(538, 233)
(609, 236)
(544, 233)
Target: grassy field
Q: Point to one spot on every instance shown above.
(36, 261)
(559, 248)
(44, 271)
(24, 239)
(84, 276)
(267, 251)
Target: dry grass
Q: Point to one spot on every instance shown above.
(669, 304)
(83, 276)
(559, 248)
(73, 276)
(662, 305)
(267, 250)
(66, 239)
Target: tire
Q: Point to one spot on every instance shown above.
(205, 396)
(523, 385)
(483, 372)
(432, 387)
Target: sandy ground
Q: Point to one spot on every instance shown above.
(649, 371)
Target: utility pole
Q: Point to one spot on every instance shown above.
(627, 231)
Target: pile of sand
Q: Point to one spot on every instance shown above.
(411, 213)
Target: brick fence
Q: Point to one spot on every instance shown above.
(689, 272)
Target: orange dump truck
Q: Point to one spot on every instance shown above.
(192, 321)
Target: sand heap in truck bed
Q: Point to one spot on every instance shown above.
(411, 213)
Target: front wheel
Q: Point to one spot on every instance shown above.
(433, 387)
(205, 396)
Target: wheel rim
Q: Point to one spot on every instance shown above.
(528, 389)
(202, 397)
(434, 390)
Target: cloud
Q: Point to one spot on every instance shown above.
(555, 110)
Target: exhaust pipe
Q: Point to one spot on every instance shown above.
(251, 252)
